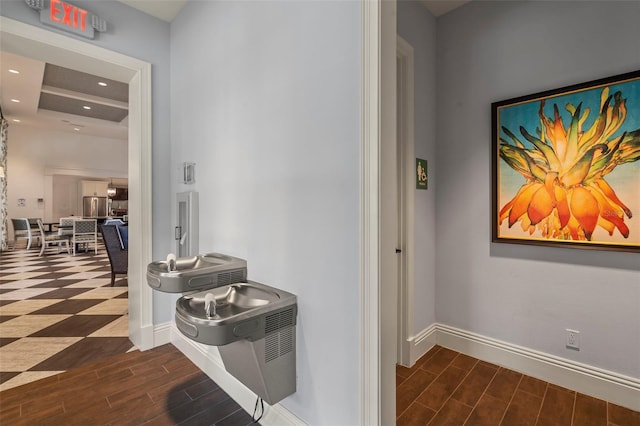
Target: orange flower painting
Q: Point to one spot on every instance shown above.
(566, 167)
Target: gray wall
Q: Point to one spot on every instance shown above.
(418, 27)
(489, 51)
(265, 100)
(141, 36)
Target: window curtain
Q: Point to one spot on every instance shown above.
(4, 125)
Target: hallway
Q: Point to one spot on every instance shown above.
(445, 387)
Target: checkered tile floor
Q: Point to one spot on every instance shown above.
(58, 312)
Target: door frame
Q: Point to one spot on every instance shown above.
(378, 229)
(38, 43)
(406, 164)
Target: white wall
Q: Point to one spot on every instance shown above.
(265, 100)
(65, 196)
(34, 155)
(489, 51)
(418, 27)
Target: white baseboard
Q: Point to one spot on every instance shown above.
(162, 334)
(421, 343)
(589, 380)
(208, 359)
(143, 337)
(593, 381)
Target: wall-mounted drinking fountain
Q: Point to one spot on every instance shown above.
(252, 324)
(184, 274)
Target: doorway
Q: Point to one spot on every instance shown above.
(20, 38)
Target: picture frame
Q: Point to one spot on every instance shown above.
(566, 166)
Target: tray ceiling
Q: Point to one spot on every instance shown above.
(62, 99)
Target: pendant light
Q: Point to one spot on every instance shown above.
(111, 190)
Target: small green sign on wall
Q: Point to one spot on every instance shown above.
(421, 174)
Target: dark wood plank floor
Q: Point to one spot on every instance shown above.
(160, 387)
(449, 388)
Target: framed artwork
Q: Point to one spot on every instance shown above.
(566, 166)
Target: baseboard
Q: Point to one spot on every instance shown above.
(144, 337)
(599, 383)
(208, 359)
(619, 389)
(421, 343)
(162, 334)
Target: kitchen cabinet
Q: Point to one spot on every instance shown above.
(122, 194)
(90, 188)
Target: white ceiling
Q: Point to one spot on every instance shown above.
(439, 8)
(27, 87)
(161, 9)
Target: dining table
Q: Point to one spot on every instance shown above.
(48, 226)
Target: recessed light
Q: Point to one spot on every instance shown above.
(86, 107)
(76, 129)
(15, 120)
(15, 100)
(14, 71)
(102, 83)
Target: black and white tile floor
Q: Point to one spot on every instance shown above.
(58, 312)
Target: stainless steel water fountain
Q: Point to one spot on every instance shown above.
(252, 324)
(184, 274)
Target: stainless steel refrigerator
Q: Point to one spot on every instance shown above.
(94, 206)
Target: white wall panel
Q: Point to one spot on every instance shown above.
(265, 100)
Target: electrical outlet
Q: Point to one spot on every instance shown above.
(573, 339)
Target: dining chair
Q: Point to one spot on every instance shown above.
(35, 230)
(65, 225)
(118, 257)
(22, 231)
(51, 238)
(85, 231)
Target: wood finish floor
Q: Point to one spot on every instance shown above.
(448, 388)
(62, 310)
(157, 387)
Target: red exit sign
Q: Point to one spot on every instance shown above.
(68, 17)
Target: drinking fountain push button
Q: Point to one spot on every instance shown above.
(188, 329)
(246, 329)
